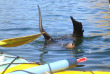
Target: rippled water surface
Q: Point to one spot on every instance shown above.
(20, 18)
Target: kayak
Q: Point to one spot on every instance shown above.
(11, 64)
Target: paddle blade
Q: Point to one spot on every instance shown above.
(13, 42)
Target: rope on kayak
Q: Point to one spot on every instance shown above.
(9, 65)
(91, 72)
(50, 69)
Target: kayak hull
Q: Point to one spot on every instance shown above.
(22, 66)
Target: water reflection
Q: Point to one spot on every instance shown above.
(101, 17)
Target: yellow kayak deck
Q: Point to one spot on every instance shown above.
(22, 67)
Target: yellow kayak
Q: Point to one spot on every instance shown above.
(10, 64)
(22, 67)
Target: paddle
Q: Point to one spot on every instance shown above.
(13, 42)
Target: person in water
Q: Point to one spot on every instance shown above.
(77, 32)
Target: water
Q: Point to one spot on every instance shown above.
(20, 18)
